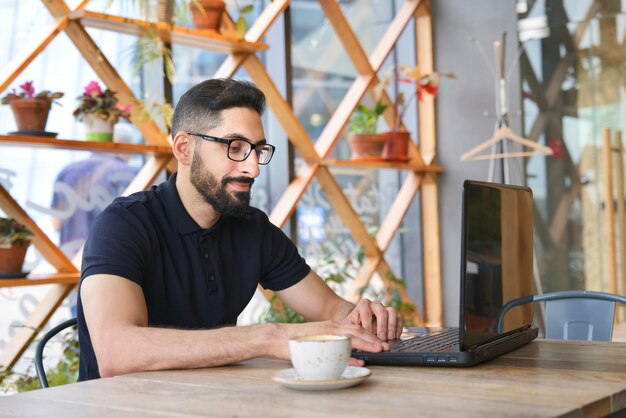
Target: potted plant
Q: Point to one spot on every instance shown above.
(396, 145)
(30, 109)
(207, 14)
(99, 110)
(14, 241)
(364, 142)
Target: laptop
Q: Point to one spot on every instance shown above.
(496, 267)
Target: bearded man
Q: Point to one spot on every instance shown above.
(166, 272)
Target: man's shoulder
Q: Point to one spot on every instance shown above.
(139, 204)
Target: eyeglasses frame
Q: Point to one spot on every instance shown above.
(253, 146)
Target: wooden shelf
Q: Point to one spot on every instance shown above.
(378, 164)
(420, 177)
(81, 145)
(39, 279)
(205, 39)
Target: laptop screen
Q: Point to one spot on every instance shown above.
(496, 260)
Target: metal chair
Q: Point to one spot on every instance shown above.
(574, 314)
(41, 373)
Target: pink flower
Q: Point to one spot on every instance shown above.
(125, 109)
(28, 89)
(93, 87)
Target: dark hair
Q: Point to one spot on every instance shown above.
(200, 107)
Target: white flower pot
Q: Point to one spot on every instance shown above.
(98, 129)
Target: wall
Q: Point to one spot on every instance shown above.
(461, 108)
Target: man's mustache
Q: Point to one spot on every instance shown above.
(247, 180)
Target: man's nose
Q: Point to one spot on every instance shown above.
(250, 165)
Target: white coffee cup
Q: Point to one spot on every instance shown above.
(320, 357)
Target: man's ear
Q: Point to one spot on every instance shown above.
(183, 147)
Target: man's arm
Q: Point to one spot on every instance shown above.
(313, 299)
(117, 319)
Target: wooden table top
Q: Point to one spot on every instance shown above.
(544, 378)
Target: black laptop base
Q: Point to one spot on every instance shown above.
(451, 357)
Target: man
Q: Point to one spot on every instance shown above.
(166, 272)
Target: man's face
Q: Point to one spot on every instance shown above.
(225, 184)
(215, 192)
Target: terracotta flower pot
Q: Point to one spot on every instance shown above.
(30, 114)
(396, 145)
(212, 16)
(98, 130)
(12, 258)
(366, 146)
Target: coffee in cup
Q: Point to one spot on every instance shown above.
(320, 357)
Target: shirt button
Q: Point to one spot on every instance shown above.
(211, 277)
(206, 255)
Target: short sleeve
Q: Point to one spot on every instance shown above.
(118, 244)
(283, 265)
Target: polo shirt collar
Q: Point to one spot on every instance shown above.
(176, 210)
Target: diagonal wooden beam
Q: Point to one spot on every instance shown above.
(266, 19)
(41, 241)
(552, 94)
(384, 270)
(295, 132)
(148, 174)
(255, 34)
(346, 212)
(21, 340)
(367, 67)
(398, 210)
(285, 207)
(396, 27)
(385, 234)
(26, 55)
(340, 117)
(346, 35)
(103, 68)
(361, 281)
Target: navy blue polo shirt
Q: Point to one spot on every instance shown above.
(192, 278)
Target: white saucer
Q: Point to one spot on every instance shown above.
(350, 377)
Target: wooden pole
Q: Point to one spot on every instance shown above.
(621, 219)
(609, 208)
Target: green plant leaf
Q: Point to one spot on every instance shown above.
(241, 26)
(246, 9)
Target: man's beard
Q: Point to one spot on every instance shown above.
(216, 194)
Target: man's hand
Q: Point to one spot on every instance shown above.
(360, 338)
(385, 322)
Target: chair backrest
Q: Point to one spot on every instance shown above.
(574, 314)
(41, 373)
(580, 315)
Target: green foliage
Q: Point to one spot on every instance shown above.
(161, 111)
(333, 269)
(63, 372)
(365, 119)
(284, 314)
(149, 49)
(27, 91)
(241, 25)
(13, 232)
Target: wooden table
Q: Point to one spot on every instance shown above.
(544, 378)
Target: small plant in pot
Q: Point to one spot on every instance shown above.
(99, 110)
(31, 109)
(396, 147)
(14, 241)
(364, 142)
(207, 14)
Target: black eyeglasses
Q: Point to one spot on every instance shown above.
(239, 149)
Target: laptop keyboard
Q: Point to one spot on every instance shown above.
(434, 341)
